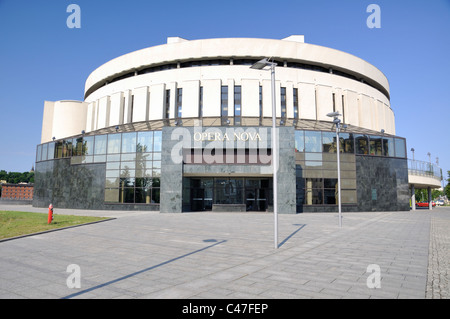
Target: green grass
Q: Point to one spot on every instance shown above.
(23, 223)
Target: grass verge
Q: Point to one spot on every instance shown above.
(13, 224)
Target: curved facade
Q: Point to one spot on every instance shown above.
(186, 126)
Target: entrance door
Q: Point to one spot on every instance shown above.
(262, 199)
(256, 199)
(197, 199)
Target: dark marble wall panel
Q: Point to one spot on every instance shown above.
(382, 183)
(69, 186)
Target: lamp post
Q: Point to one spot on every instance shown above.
(337, 123)
(261, 64)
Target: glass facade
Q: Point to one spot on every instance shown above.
(316, 163)
(201, 194)
(133, 162)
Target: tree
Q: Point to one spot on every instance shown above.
(15, 177)
(447, 188)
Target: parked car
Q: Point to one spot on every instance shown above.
(440, 202)
(425, 204)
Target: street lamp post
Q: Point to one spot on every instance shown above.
(337, 123)
(259, 66)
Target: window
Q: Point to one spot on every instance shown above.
(129, 142)
(224, 104)
(313, 141)
(114, 143)
(260, 105)
(400, 147)
(100, 145)
(157, 136)
(133, 174)
(167, 105)
(361, 144)
(283, 104)
(88, 145)
(375, 145)
(144, 142)
(388, 146)
(295, 103)
(131, 108)
(200, 103)
(179, 101)
(237, 105)
(51, 150)
(299, 141)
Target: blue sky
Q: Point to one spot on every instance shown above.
(42, 59)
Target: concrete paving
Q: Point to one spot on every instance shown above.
(385, 255)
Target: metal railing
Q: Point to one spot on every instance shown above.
(422, 168)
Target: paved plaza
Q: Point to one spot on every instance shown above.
(231, 255)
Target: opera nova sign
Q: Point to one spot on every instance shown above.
(218, 136)
(220, 144)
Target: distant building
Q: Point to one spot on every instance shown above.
(17, 191)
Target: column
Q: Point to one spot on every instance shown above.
(413, 197)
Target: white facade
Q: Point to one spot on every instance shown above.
(121, 92)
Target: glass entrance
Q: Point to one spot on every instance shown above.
(203, 193)
(256, 199)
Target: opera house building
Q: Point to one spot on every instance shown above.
(187, 126)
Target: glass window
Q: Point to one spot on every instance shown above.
(129, 142)
(299, 141)
(346, 144)
(112, 165)
(157, 138)
(100, 144)
(200, 102)
(179, 101)
(126, 195)
(39, 153)
(59, 149)
(400, 147)
(295, 103)
(114, 143)
(145, 142)
(313, 196)
(388, 146)
(112, 195)
(313, 141)
(330, 183)
(375, 145)
(224, 101)
(237, 105)
(283, 102)
(112, 182)
(330, 196)
(155, 195)
(44, 152)
(67, 148)
(167, 104)
(51, 151)
(329, 142)
(143, 195)
(88, 145)
(361, 144)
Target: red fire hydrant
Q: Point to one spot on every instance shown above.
(50, 214)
